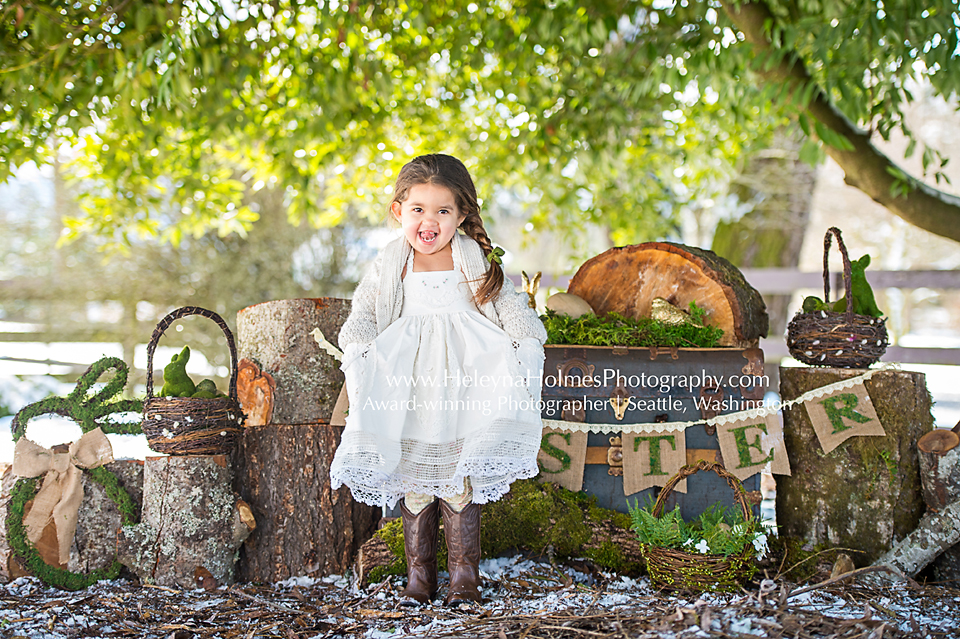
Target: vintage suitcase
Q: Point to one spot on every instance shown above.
(579, 382)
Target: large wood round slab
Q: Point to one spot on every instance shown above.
(626, 279)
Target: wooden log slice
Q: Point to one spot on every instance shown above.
(626, 279)
(865, 494)
(276, 336)
(303, 527)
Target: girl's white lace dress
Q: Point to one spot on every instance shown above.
(438, 396)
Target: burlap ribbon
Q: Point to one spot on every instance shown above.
(62, 491)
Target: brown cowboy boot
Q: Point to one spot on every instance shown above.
(420, 545)
(462, 530)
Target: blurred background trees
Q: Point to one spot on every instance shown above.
(225, 153)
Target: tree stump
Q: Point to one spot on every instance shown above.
(866, 493)
(939, 467)
(283, 465)
(276, 336)
(303, 527)
(939, 452)
(626, 279)
(95, 542)
(98, 520)
(192, 523)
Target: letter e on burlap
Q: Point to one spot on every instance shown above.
(748, 445)
(847, 413)
(561, 458)
(651, 459)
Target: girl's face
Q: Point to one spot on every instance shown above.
(429, 217)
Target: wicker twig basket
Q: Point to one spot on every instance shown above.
(827, 338)
(187, 425)
(674, 569)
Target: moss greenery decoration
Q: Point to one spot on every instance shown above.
(614, 329)
(90, 411)
(535, 517)
(717, 531)
(716, 551)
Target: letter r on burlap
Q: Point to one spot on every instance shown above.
(843, 414)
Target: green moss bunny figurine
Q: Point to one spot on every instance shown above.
(176, 382)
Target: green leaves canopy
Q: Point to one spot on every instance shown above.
(619, 112)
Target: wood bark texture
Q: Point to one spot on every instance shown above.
(303, 527)
(276, 336)
(255, 392)
(626, 279)
(98, 520)
(866, 493)
(95, 542)
(939, 468)
(191, 522)
(940, 475)
(935, 533)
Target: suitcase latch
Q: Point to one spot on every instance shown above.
(615, 457)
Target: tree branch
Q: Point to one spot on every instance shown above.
(865, 167)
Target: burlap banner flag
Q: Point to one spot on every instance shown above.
(749, 444)
(562, 457)
(843, 414)
(651, 459)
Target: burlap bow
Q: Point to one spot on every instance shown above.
(62, 491)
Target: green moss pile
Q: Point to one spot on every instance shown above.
(538, 518)
(614, 329)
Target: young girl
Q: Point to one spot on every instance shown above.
(443, 361)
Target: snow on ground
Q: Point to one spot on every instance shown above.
(522, 598)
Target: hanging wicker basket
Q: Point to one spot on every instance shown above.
(842, 340)
(189, 425)
(674, 569)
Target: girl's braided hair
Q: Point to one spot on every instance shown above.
(449, 172)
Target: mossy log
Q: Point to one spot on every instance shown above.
(98, 520)
(303, 527)
(276, 336)
(626, 280)
(866, 493)
(538, 518)
(191, 522)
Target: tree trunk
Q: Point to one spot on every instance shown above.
(276, 336)
(303, 527)
(864, 166)
(283, 466)
(780, 187)
(866, 493)
(627, 279)
(192, 522)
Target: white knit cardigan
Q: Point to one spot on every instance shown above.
(379, 296)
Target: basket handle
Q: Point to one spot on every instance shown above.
(846, 269)
(692, 469)
(184, 312)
